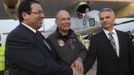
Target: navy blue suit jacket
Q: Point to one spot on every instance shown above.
(108, 63)
(28, 55)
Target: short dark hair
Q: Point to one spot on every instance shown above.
(25, 6)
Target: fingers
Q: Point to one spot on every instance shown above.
(76, 72)
(78, 65)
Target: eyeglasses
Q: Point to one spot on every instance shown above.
(38, 13)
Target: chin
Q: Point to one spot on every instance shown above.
(66, 29)
(40, 25)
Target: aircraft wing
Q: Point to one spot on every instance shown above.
(52, 6)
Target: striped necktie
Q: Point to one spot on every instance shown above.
(112, 40)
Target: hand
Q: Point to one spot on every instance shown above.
(76, 72)
(78, 65)
(6, 72)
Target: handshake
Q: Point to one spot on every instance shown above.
(77, 67)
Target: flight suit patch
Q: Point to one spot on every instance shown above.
(61, 43)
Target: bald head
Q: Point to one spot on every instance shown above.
(63, 21)
(62, 13)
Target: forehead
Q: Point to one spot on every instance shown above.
(36, 6)
(105, 13)
(63, 14)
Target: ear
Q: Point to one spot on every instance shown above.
(57, 22)
(24, 15)
(114, 19)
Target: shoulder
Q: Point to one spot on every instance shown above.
(97, 34)
(20, 29)
(51, 36)
(21, 33)
(122, 33)
(14, 32)
(72, 33)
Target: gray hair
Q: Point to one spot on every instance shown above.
(107, 9)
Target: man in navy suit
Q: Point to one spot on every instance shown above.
(111, 47)
(27, 52)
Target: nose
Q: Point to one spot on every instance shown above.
(42, 15)
(105, 19)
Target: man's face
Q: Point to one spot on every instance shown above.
(63, 21)
(36, 17)
(107, 19)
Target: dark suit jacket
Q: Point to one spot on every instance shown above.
(108, 63)
(28, 55)
(132, 61)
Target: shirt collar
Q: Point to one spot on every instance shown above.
(29, 27)
(106, 32)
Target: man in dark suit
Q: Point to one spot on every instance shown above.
(27, 52)
(111, 47)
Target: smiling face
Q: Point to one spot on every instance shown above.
(107, 19)
(35, 18)
(63, 21)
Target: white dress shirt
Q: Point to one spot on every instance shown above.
(115, 36)
(35, 33)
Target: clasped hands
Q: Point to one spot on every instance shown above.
(77, 67)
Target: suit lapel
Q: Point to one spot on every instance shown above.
(107, 43)
(31, 32)
(121, 51)
(39, 41)
(42, 42)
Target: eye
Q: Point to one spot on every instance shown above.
(38, 13)
(107, 17)
(68, 18)
(101, 18)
